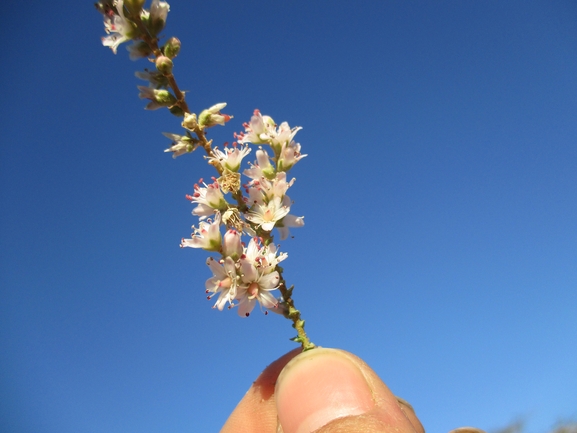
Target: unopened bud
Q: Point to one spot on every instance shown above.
(164, 97)
(189, 121)
(231, 246)
(212, 116)
(158, 97)
(172, 48)
(164, 65)
(157, 20)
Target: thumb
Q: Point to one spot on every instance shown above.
(331, 391)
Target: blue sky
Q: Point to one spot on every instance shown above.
(440, 196)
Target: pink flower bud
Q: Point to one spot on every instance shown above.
(232, 246)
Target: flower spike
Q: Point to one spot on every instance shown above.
(243, 274)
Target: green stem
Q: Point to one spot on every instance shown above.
(295, 315)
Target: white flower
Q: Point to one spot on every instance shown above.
(259, 130)
(118, 27)
(224, 281)
(252, 251)
(230, 158)
(181, 144)
(266, 216)
(289, 221)
(209, 199)
(289, 156)
(256, 194)
(207, 236)
(280, 185)
(269, 258)
(262, 130)
(256, 287)
(264, 258)
(283, 135)
(262, 167)
(263, 191)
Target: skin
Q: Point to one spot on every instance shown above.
(321, 390)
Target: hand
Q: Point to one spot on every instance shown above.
(321, 390)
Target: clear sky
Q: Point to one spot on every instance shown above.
(440, 196)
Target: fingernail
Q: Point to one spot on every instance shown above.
(404, 403)
(409, 412)
(318, 386)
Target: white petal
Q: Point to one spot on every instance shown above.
(267, 300)
(269, 281)
(245, 306)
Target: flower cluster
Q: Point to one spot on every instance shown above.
(127, 20)
(244, 275)
(120, 25)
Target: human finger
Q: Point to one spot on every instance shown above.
(330, 391)
(256, 412)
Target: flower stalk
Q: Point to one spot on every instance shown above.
(245, 274)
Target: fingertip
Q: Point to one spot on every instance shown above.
(323, 385)
(318, 386)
